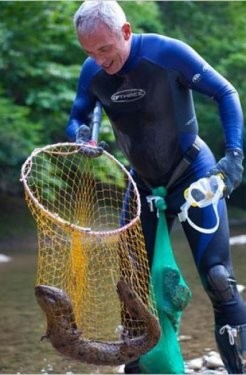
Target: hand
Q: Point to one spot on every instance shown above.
(83, 134)
(231, 168)
(90, 150)
(88, 147)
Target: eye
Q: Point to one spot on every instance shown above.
(52, 301)
(51, 298)
(92, 55)
(105, 49)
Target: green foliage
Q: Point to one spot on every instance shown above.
(17, 137)
(40, 60)
(38, 69)
(143, 15)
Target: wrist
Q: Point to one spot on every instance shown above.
(235, 153)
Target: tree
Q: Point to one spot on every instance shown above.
(16, 141)
(40, 60)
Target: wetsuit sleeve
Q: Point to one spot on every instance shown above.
(83, 103)
(198, 75)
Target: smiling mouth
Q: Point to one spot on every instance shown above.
(107, 66)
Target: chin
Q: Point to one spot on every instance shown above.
(113, 70)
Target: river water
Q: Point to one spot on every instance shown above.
(22, 323)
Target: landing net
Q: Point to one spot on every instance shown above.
(88, 237)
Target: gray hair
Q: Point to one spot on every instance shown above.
(91, 12)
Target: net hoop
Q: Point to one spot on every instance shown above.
(51, 149)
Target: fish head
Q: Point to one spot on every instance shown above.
(52, 300)
(57, 307)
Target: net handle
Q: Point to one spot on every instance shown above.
(96, 121)
(26, 168)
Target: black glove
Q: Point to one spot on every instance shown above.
(83, 134)
(90, 151)
(87, 148)
(230, 166)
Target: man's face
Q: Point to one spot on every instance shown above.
(110, 49)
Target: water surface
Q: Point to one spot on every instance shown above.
(22, 322)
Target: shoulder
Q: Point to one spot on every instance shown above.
(153, 42)
(165, 43)
(167, 51)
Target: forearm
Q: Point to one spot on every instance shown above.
(72, 128)
(231, 118)
(80, 114)
(83, 104)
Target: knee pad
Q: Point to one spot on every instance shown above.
(221, 285)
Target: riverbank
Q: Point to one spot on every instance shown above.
(22, 323)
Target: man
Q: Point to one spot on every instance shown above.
(145, 84)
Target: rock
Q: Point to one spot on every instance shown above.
(240, 288)
(185, 338)
(195, 364)
(238, 240)
(4, 258)
(212, 360)
(120, 369)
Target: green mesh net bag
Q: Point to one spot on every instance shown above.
(172, 296)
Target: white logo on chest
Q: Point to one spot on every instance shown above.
(129, 95)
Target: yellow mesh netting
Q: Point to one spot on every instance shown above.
(78, 204)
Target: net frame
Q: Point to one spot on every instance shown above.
(58, 149)
(27, 166)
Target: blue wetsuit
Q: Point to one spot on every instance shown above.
(150, 106)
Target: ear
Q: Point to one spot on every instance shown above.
(127, 30)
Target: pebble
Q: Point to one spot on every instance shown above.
(238, 240)
(4, 258)
(212, 360)
(241, 288)
(195, 364)
(209, 363)
(185, 338)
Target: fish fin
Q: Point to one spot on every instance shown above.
(44, 337)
